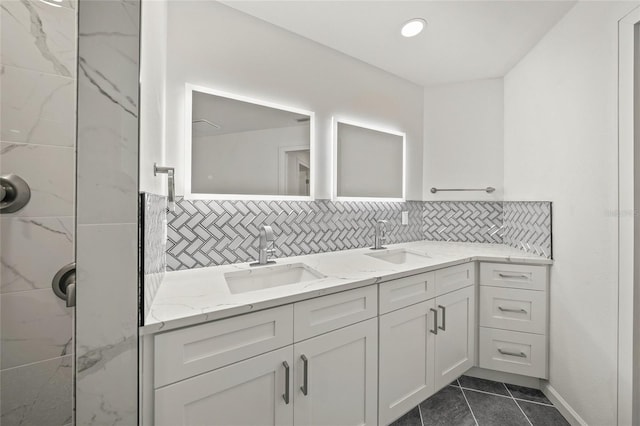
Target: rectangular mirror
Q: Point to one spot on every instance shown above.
(369, 163)
(242, 148)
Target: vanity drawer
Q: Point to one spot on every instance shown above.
(194, 350)
(513, 309)
(513, 352)
(514, 276)
(407, 291)
(323, 314)
(455, 277)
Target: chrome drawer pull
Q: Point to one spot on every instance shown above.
(435, 322)
(305, 378)
(285, 364)
(519, 311)
(519, 355)
(501, 275)
(444, 318)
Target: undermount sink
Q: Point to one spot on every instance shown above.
(399, 256)
(270, 276)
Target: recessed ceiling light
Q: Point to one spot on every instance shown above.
(413, 27)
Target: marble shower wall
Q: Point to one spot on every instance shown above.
(107, 214)
(37, 142)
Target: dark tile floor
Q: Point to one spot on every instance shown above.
(470, 401)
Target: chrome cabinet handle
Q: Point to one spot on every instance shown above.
(285, 396)
(519, 355)
(519, 311)
(444, 318)
(305, 376)
(501, 275)
(435, 321)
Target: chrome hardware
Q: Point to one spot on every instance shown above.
(519, 355)
(64, 284)
(518, 311)
(380, 236)
(266, 246)
(501, 275)
(444, 318)
(14, 193)
(488, 189)
(435, 321)
(305, 376)
(285, 396)
(170, 172)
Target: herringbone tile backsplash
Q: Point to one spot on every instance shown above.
(468, 221)
(207, 233)
(211, 232)
(527, 226)
(154, 245)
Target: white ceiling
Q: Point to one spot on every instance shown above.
(234, 116)
(464, 40)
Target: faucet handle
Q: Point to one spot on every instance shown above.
(268, 231)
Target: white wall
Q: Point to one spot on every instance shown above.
(153, 44)
(215, 46)
(244, 162)
(561, 145)
(463, 139)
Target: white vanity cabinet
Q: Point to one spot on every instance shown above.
(323, 372)
(407, 351)
(513, 318)
(358, 357)
(250, 392)
(427, 345)
(456, 335)
(336, 377)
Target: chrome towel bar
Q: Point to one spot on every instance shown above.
(488, 189)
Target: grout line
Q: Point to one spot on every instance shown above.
(421, 419)
(468, 405)
(534, 402)
(487, 393)
(518, 405)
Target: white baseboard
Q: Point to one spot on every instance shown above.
(563, 406)
(499, 376)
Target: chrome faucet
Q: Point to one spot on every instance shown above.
(380, 236)
(266, 246)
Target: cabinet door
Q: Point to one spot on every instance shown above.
(250, 392)
(455, 341)
(406, 362)
(336, 377)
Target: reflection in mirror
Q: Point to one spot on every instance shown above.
(242, 148)
(368, 163)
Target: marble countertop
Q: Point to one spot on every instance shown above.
(194, 296)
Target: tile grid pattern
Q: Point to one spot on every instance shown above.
(471, 401)
(207, 233)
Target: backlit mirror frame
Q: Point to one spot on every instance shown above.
(188, 153)
(334, 154)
